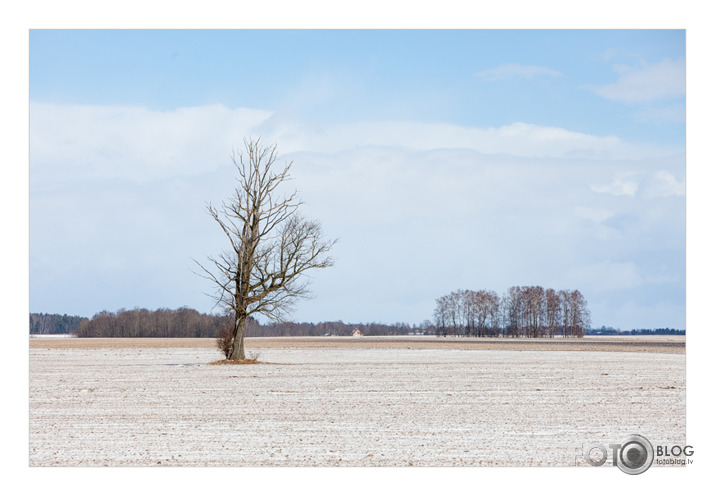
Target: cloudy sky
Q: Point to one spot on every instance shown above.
(440, 159)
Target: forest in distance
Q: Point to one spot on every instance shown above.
(52, 323)
(186, 322)
(189, 323)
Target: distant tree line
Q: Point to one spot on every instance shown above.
(666, 330)
(610, 331)
(334, 328)
(186, 322)
(142, 323)
(54, 323)
(523, 311)
(520, 312)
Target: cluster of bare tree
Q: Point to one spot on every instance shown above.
(523, 311)
(466, 312)
(143, 323)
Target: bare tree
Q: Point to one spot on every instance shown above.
(487, 309)
(553, 311)
(534, 310)
(513, 304)
(580, 315)
(565, 299)
(270, 244)
(441, 317)
(574, 312)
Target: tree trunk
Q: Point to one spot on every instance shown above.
(238, 352)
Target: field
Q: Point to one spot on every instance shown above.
(349, 402)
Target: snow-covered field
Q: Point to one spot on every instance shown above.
(332, 406)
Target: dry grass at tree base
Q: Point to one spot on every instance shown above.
(251, 360)
(245, 361)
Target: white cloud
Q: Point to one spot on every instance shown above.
(117, 188)
(140, 144)
(134, 142)
(650, 82)
(516, 71)
(663, 184)
(658, 184)
(618, 187)
(518, 139)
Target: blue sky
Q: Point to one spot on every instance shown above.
(337, 76)
(442, 160)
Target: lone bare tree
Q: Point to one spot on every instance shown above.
(271, 245)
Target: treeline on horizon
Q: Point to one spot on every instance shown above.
(189, 323)
(186, 322)
(54, 323)
(610, 331)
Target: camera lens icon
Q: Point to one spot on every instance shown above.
(635, 455)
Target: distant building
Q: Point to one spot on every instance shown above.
(357, 333)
